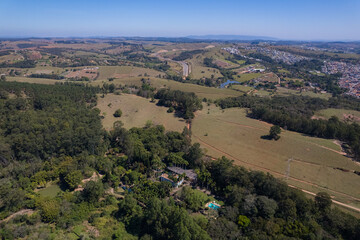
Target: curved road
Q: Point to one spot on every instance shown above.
(184, 65)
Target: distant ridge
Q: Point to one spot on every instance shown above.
(231, 37)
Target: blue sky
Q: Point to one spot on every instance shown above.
(285, 19)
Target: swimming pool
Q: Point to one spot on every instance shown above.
(213, 206)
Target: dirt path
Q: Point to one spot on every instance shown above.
(334, 201)
(239, 124)
(21, 212)
(272, 171)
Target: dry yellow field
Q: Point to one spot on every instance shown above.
(136, 111)
(125, 72)
(302, 161)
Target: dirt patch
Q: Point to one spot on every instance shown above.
(350, 118)
(90, 73)
(91, 229)
(34, 55)
(222, 64)
(318, 118)
(162, 51)
(21, 212)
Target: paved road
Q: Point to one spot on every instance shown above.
(184, 65)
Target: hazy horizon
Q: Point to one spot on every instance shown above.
(297, 20)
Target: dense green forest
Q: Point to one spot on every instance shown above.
(185, 103)
(19, 64)
(53, 134)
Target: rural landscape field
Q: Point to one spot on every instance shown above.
(171, 120)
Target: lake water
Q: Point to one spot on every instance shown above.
(227, 83)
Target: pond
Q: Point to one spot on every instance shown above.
(227, 83)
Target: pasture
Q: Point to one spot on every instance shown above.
(287, 92)
(106, 72)
(309, 163)
(246, 76)
(33, 80)
(136, 111)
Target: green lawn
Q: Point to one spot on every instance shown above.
(246, 76)
(50, 191)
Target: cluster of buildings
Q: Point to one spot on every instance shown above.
(276, 55)
(350, 78)
(176, 176)
(232, 50)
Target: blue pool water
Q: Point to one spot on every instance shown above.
(213, 206)
(227, 83)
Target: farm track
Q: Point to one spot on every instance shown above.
(281, 174)
(21, 212)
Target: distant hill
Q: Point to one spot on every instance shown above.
(231, 37)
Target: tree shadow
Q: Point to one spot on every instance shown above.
(266, 137)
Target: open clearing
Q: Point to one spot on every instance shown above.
(287, 92)
(106, 72)
(305, 162)
(136, 111)
(343, 114)
(246, 77)
(50, 191)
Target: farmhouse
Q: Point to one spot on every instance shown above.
(188, 172)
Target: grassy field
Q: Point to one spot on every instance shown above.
(198, 71)
(246, 76)
(286, 92)
(136, 111)
(106, 72)
(232, 134)
(242, 88)
(342, 114)
(32, 80)
(50, 191)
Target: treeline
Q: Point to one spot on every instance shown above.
(295, 112)
(186, 55)
(44, 75)
(183, 102)
(19, 64)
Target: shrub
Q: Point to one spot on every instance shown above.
(117, 113)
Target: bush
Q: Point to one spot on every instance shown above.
(117, 113)
(170, 110)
